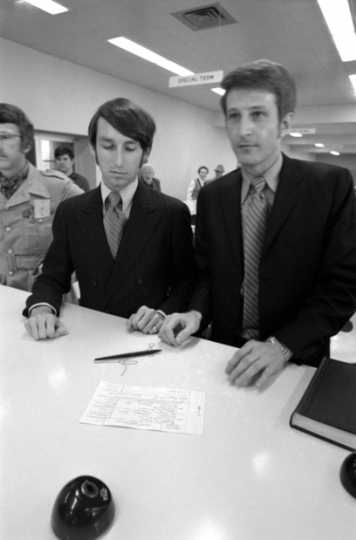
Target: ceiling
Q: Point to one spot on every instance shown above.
(292, 32)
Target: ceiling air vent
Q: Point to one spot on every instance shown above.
(201, 18)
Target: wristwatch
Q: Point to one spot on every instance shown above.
(286, 353)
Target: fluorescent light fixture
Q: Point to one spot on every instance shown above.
(217, 90)
(150, 56)
(353, 81)
(295, 134)
(319, 145)
(338, 17)
(51, 7)
(334, 153)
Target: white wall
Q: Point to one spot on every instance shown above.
(294, 152)
(59, 96)
(344, 160)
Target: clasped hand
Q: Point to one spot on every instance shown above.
(178, 327)
(146, 320)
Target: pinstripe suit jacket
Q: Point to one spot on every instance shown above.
(307, 279)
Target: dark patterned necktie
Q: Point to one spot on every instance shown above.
(254, 228)
(8, 185)
(114, 221)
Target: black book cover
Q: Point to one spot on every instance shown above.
(328, 406)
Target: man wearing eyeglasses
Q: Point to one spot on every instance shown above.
(28, 200)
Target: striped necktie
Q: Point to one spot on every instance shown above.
(114, 221)
(254, 228)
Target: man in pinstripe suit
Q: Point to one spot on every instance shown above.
(275, 240)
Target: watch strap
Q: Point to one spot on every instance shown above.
(286, 353)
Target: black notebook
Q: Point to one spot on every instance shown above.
(328, 406)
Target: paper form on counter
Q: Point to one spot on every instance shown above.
(146, 407)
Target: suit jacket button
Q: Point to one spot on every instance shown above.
(94, 282)
(139, 281)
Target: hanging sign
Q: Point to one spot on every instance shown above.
(207, 77)
(303, 130)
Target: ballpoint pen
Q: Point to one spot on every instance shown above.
(132, 354)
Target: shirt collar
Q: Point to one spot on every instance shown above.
(271, 175)
(127, 194)
(33, 185)
(10, 184)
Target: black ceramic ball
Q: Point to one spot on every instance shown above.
(83, 509)
(348, 474)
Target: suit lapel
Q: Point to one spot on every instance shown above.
(138, 230)
(285, 200)
(91, 223)
(230, 198)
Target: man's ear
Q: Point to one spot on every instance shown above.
(93, 153)
(145, 156)
(286, 124)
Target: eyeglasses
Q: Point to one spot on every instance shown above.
(8, 138)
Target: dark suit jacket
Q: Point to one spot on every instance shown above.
(154, 265)
(307, 284)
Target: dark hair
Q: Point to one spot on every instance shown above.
(263, 75)
(10, 114)
(203, 167)
(126, 117)
(63, 150)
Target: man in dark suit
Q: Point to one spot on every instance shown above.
(131, 247)
(275, 240)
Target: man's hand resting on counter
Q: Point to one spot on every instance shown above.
(43, 324)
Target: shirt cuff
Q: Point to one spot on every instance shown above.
(41, 304)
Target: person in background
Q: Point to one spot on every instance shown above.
(64, 157)
(147, 175)
(219, 171)
(28, 201)
(194, 188)
(130, 246)
(275, 240)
